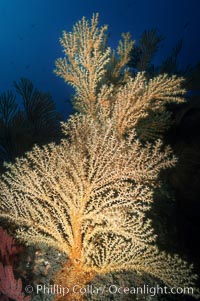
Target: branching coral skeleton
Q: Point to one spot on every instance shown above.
(88, 196)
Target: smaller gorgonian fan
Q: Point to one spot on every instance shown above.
(104, 87)
(88, 197)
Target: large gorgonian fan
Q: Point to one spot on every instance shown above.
(88, 197)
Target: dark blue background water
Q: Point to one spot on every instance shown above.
(30, 30)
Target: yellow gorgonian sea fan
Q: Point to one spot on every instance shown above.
(88, 63)
(104, 87)
(88, 197)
